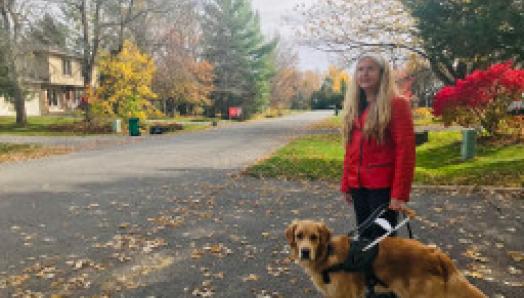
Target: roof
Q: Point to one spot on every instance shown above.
(60, 52)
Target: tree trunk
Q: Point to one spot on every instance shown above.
(86, 69)
(19, 99)
(10, 34)
(21, 117)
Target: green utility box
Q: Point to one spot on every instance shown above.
(469, 142)
(134, 127)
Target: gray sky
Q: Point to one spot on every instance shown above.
(271, 17)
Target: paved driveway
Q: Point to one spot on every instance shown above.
(173, 217)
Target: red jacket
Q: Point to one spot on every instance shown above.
(391, 164)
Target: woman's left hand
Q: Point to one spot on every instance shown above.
(397, 205)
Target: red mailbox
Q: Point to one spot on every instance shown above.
(234, 112)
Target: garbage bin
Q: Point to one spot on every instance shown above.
(117, 126)
(421, 137)
(134, 127)
(469, 140)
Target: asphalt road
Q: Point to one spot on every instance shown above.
(172, 216)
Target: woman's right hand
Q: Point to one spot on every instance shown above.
(347, 197)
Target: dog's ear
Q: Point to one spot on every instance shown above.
(290, 233)
(325, 233)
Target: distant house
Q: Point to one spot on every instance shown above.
(55, 85)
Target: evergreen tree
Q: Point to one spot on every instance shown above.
(48, 32)
(234, 44)
(461, 36)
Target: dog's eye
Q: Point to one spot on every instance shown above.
(300, 236)
(314, 237)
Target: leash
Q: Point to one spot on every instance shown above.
(408, 226)
(374, 218)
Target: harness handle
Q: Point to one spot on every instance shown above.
(406, 213)
(369, 221)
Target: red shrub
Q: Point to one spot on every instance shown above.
(483, 95)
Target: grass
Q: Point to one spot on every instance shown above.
(38, 125)
(310, 157)
(273, 113)
(15, 152)
(438, 162)
(426, 121)
(333, 122)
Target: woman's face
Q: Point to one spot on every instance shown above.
(368, 75)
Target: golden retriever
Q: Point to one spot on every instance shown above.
(409, 268)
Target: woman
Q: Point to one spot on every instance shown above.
(380, 144)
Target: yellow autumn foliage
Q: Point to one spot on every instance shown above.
(125, 87)
(337, 75)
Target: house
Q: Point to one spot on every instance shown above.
(54, 85)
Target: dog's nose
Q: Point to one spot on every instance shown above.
(304, 254)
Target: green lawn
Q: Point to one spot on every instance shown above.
(438, 162)
(38, 125)
(310, 157)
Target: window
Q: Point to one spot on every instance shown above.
(52, 98)
(66, 67)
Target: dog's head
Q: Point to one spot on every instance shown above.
(308, 240)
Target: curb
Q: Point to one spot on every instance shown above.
(467, 188)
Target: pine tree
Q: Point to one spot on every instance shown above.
(234, 44)
(49, 32)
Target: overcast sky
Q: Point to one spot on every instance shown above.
(271, 17)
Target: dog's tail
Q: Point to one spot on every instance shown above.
(446, 268)
(455, 282)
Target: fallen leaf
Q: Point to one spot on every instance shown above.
(250, 277)
(517, 256)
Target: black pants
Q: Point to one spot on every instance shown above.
(365, 201)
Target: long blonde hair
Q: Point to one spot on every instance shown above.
(379, 111)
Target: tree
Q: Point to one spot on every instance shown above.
(105, 24)
(461, 36)
(285, 83)
(482, 99)
(49, 33)
(16, 52)
(416, 74)
(126, 87)
(456, 37)
(139, 20)
(87, 24)
(310, 81)
(234, 44)
(339, 78)
(350, 27)
(182, 81)
(333, 89)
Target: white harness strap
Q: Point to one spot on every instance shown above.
(383, 223)
(376, 241)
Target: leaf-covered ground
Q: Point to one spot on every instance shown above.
(18, 152)
(214, 233)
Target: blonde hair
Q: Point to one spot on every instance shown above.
(379, 111)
